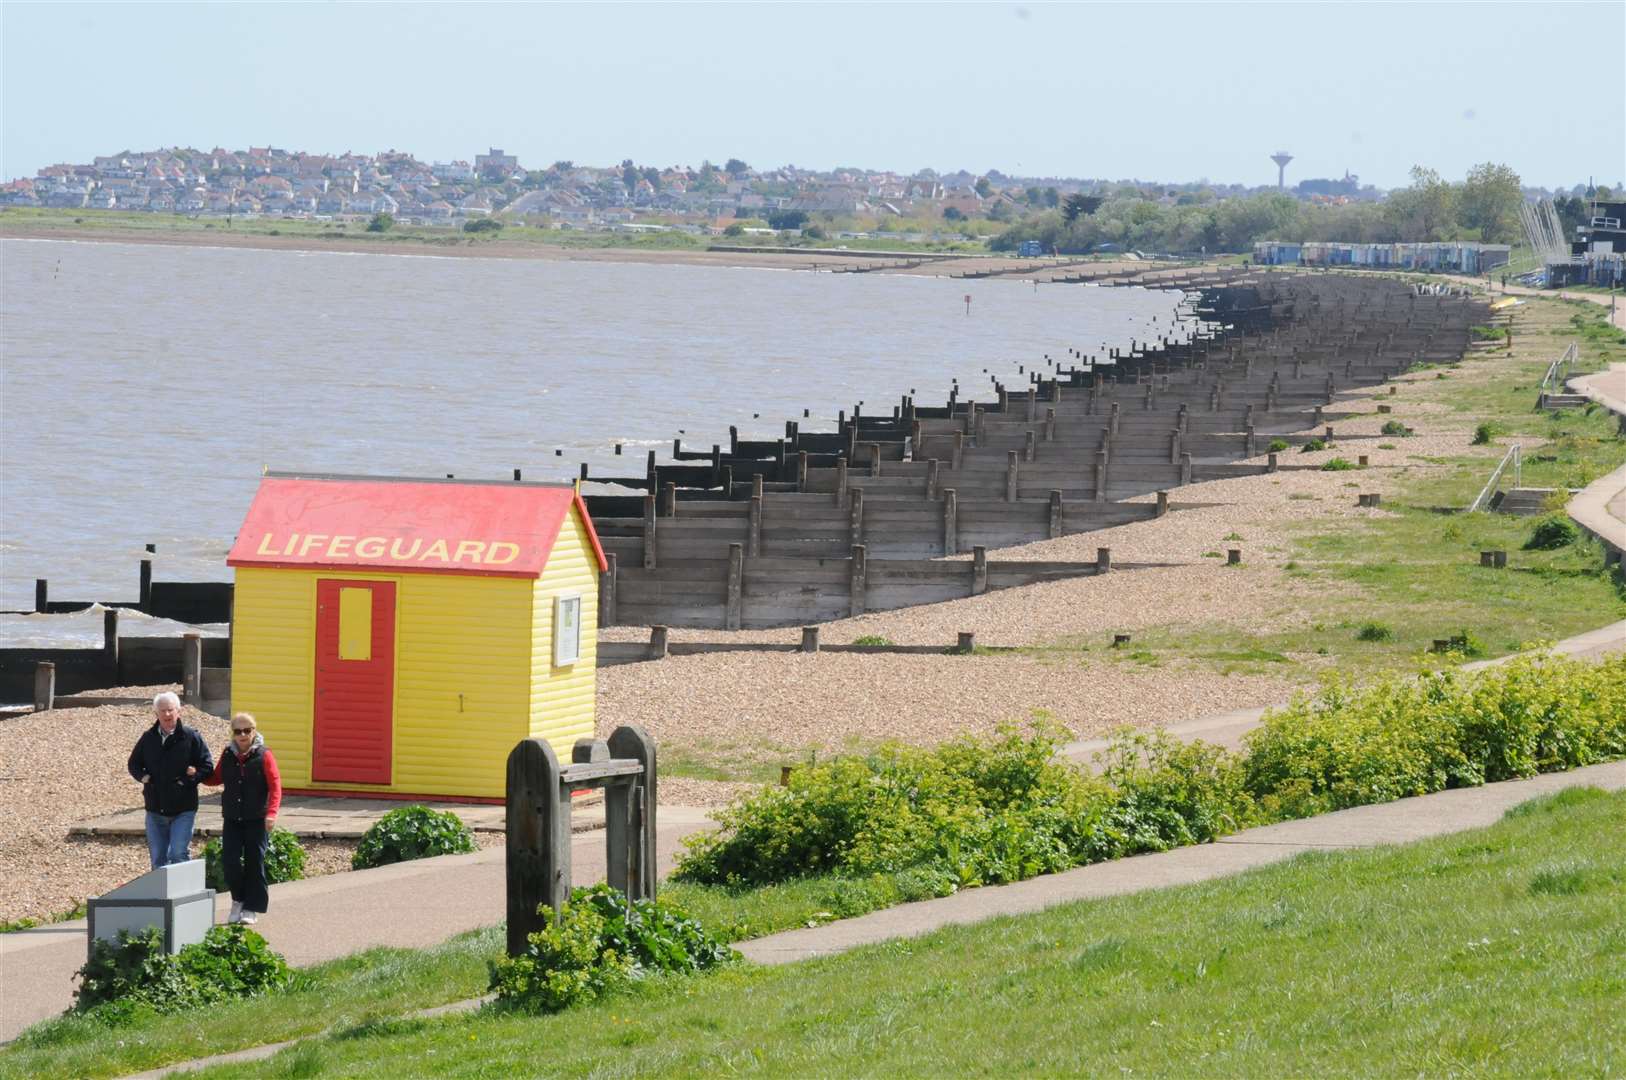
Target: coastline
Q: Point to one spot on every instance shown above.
(923, 264)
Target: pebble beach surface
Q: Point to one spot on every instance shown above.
(67, 766)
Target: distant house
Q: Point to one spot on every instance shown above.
(495, 162)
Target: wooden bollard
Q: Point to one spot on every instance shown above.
(1029, 449)
(1501, 559)
(1362, 461)
(192, 668)
(1233, 557)
(1329, 433)
(606, 591)
(979, 571)
(1385, 408)
(736, 587)
(1119, 640)
(967, 642)
(649, 532)
(1056, 527)
(1270, 463)
(516, 476)
(535, 878)
(110, 640)
(1103, 560)
(44, 686)
(1487, 559)
(951, 523)
(855, 523)
(1393, 390)
(931, 478)
(1162, 503)
(1012, 474)
(857, 580)
(144, 596)
(810, 639)
(657, 642)
(42, 595)
(784, 774)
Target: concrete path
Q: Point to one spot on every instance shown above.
(408, 905)
(1367, 826)
(318, 816)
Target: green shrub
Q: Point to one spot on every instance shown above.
(1488, 333)
(135, 974)
(1313, 445)
(1464, 643)
(1374, 631)
(412, 832)
(1552, 531)
(1395, 427)
(284, 860)
(1337, 464)
(1484, 433)
(483, 225)
(872, 639)
(598, 944)
(1387, 446)
(1277, 446)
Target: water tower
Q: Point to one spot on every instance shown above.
(1281, 158)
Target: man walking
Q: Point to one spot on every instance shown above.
(169, 761)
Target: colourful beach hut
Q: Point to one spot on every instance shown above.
(396, 637)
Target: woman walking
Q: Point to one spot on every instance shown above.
(248, 807)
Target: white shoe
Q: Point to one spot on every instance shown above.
(249, 918)
(236, 912)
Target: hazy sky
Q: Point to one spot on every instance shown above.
(1146, 90)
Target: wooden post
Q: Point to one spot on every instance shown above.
(1029, 450)
(537, 876)
(1033, 404)
(841, 481)
(671, 500)
(753, 536)
(958, 452)
(810, 639)
(1270, 463)
(967, 642)
(736, 576)
(110, 641)
(1185, 468)
(979, 570)
(1103, 560)
(44, 686)
(657, 642)
(1162, 504)
(1112, 421)
(192, 668)
(1100, 494)
(801, 470)
(951, 523)
(1055, 515)
(1050, 425)
(649, 532)
(1487, 558)
(855, 524)
(144, 596)
(629, 817)
(1248, 445)
(1012, 472)
(1501, 559)
(857, 580)
(606, 592)
(42, 598)
(1233, 556)
(931, 479)
(1362, 461)
(874, 458)
(1174, 447)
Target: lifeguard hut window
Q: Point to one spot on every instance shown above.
(567, 630)
(355, 624)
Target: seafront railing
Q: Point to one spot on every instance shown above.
(1515, 458)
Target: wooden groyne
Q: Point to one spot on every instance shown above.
(825, 525)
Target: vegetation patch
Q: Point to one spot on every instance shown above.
(1551, 532)
(1312, 446)
(412, 832)
(284, 860)
(1338, 464)
(872, 640)
(135, 974)
(1395, 427)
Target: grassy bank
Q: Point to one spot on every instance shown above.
(1497, 952)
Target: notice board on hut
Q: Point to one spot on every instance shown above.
(396, 637)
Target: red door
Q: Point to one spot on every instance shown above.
(355, 681)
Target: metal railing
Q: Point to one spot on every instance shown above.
(1513, 456)
(1558, 373)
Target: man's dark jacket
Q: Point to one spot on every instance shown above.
(171, 791)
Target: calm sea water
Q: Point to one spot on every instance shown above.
(144, 388)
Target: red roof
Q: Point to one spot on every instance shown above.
(458, 527)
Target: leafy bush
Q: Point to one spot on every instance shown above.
(872, 639)
(1277, 446)
(1374, 631)
(1484, 433)
(598, 944)
(381, 222)
(134, 974)
(1313, 445)
(1337, 464)
(1488, 333)
(412, 832)
(483, 225)
(1402, 737)
(1395, 427)
(1551, 532)
(284, 860)
(1464, 643)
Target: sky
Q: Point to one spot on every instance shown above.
(1170, 92)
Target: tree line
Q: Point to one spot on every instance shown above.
(1484, 206)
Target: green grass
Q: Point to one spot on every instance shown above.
(1498, 952)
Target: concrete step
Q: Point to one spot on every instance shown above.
(1523, 502)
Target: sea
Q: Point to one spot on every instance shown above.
(144, 389)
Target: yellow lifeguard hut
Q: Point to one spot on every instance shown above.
(396, 637)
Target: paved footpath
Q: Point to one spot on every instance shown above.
(1366, 826)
